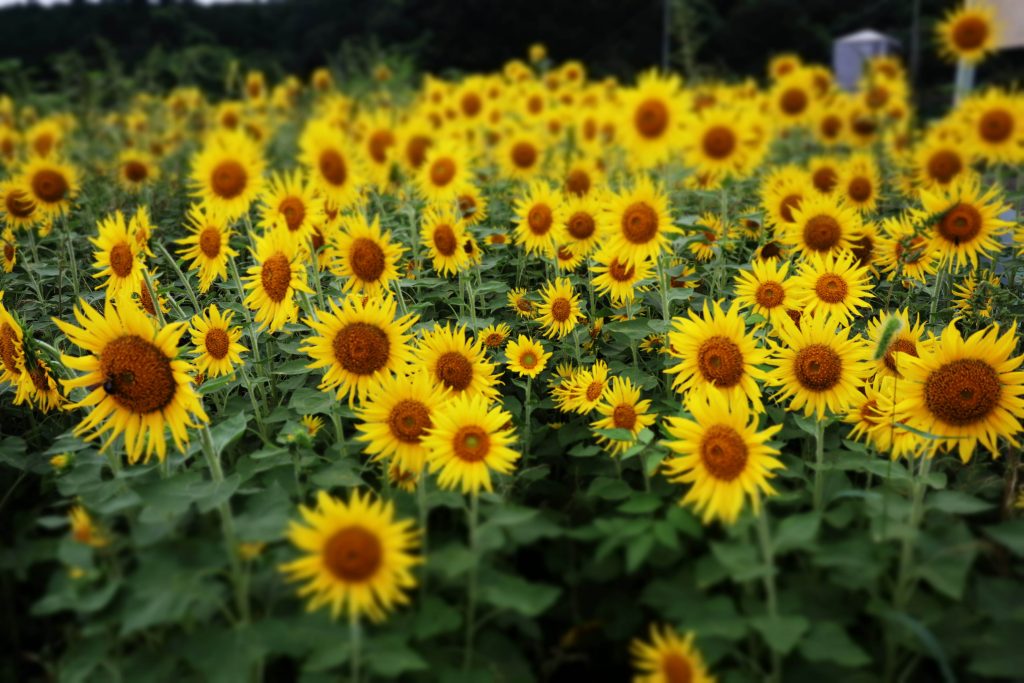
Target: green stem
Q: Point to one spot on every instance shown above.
(153, 297)
(771, 597)
(181, 276)
(356, 643)
(819, 462)
(527, 409)
(471, 518)
(424, 514)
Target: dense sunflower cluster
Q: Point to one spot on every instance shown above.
(680, 270)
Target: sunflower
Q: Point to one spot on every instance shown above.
(824, 173)
(640, 223)
(559, 309)
(313, 424)
(396, 416)
(710, 228)
(468, 441)
(584, 224)
(621, 408)
(445, 170)
(967, 221)
(12, 352)
(452, 360)
(965, 391)
(905, 253)
(117, 255)
(860, 182)
(289, 201)
(819, 367)
(472, 204)
(136, 169)
(668, 658)
(822, 224)
(10, 250)
(359, 343)
(723, 455)
(365, 256)
(584, 389)
(216, 344)
(377, 145)
(51, 184)
(227, 174)
(357, 556)
(332, 165)
(17, 207)
(793, 98)
(616, 278)
(967, 33)
(874, 418)
(973, 294)
(938, 162)
(539, 213)
(207, 245)
(523, 307)
(782, 192)
(274, 279)
(582, 176)
(520, 155)
(84, 530)
(414, 138)
(652, 115)
(494, 336)
(908, 339)
(716, 355)
(526, 357)
(443, 232)
(719, 140)
(38, 387)
(766, 289)
(136, 387)
(45, 137)
(834, 286)
(995, 123)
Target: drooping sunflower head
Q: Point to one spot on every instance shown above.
(227, 173)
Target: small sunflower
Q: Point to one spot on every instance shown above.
(521, 155)
(518, 302)
(472, 204)
(968, 33)
(822, 224)
(289, 201)
(136, 169)
(723, 455)
(539, 213)
(584, 224)
(118, 258)
(313, 424)
(652, 114)
(622, 408)
(905, 252)
(136, 386)
(273, 280)
(860, 182)
(444, 233)
(908, 339)
(395, 418)
(583, 390)
(207, 245)
(835, 286)
(84, 530)
(332, 165)
(968, 221)
(559, 309)
(357, 557)
(469, 440)
(938, 162)
(216, 344)
(227, 173)
(995, 123)
(17, 207)
(616, 278)
(640, 223)
(719, 140)
(365, 256)
(445, 170)
(51, 184)
(766, 289)
(455, 362)
(39, 387)
(526, 357)
(359, 344)
(494, 336)
(668, 658)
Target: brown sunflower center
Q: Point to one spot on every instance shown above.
(825, 179)
(137, 374)
(771, 250)
(723, 452)
(9, 252)
(963, 391)
(539, 219)
(969, 33)
(830, 126)
(594, 390)
(769, 294)
(361, 348)
(471, 104)
(454, 370)
(901, 345)
(869, 412)
(408, 420)
(831, 288)
(442, 171)
(49, 185)
(217, 342)
(577, 182)
(379, 143)
(864, 126)
(416, 150)
(19, 204)
(621, 272)
(524, 155)
(793, 101)
(996, 125)
(367, 259)
(639, 223)
(859, 189)
(581, 225)
(624, 416)
(121, 259)
(720, 361)
(962, 223)
(332, 167)
(294, 211)
(561, 309)
(818, 367)
(877, 96)
(471, 443)
(863, 249)
(467, 205)
(494, 340)
(444, 240)
(228, 179)
(528, 360)
(353, 554)
(719, 142)
(524, 305)
(944, 165)
(651, 118)
(676, 668)
(276, 277)
(135, 171)
(209, 242)
(9, 348)
(786, 206)
(822, 233)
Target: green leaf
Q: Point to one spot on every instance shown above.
(435, 617)
(306, 401)
(390, 657)
(740, 560)
(609, 489)
(506, 591)
(1009, 534)
(781, 633)
(926, 638)
(796, 531)
(638, 550)
(641, 504)
(956, 503)
(829, 642)
(227, 431)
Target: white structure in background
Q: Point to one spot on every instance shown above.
(851, 51)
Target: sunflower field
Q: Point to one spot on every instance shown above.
(515, 376)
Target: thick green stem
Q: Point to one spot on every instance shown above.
(771, 595)
(471, 518)
(356, 645)
(819, 465)
(527, 409)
